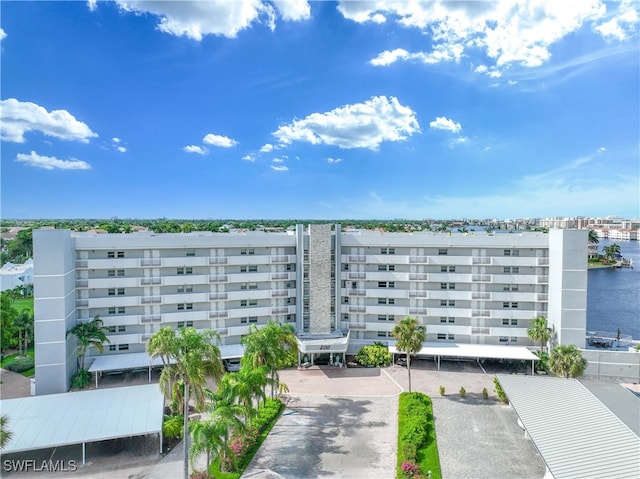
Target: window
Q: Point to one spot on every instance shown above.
(384, 334)
(111, 254)
(442, 336)
(111, 329)
(514, 339)
(442, 252)
(185, 289)
(345, 300)
(250, 319)
(386, 301)
(385, 317)
(452, 320)
(253, 285)
(387, 251)
(514, 305)
(512, 252)
(123, 347)
(111, 273)
(507, 252)
(112, 310)
(243, 269)
(253, 268)
(291, 301)
(514, 322)
(190, 252)
(245, 251)
(185, 306)
(120, 291)
(386, 267)
(506, 304)
(505, 322)
(345, 267)
(115, 291)
(112, 347)
(511, 269)
(510, 287)
(445, 302)
(185, 324)
(185, 270)
(120, 254)
(249, 302)
(443, 319)
(451, 337)
(382, 284)
(504, 339)
(447, 269)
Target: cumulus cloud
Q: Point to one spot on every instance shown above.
(249, 157)
(121, 149)
(279, 168)
(3, 34)
(218, 140)
(506, 31)
(195, 149)
(278, 160)
(443, 123)
(333, 161)
(622, 25)
(266, 148)
(195, 19)
(51, 163)
(18, 118)
(358, 125)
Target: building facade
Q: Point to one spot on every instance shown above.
(465, 288)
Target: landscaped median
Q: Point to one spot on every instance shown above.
(417, 445)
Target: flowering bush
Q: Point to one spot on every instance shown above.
(410, 469)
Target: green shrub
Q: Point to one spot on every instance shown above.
(416, 436)
(81, 379)
(21, 365)
(441, 390)
(485, 393)
(173, 426)
(463, 391)
(374, 355)
(499, 391)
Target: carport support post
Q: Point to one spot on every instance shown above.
(149, 374)
(96, 379)
(84, 453)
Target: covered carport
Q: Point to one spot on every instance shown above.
(472, 351)
(577, 436)
(117, 363)
(55, 420)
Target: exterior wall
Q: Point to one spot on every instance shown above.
(475, 288)
(54, 310)
(320, 278)
(612, 365)
(568, 286)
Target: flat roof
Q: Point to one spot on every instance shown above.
(576, 434)
(54, 420)
(462, 350)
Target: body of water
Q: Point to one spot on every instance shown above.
(613, 295)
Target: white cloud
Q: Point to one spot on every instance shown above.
(195, 149)
(3, 34)
(333, 161)
(359, 125)
(218, 140)
(121, 149)
(602, 149)
(293, 9)
(115, 139)
(18, 118)
(278, 160)
(279, 168)
(92, 4)
(195, 19)
(622, 25)
(249, 157)
(51, 163)
(506, 31)
(266, 148)
(443, 123)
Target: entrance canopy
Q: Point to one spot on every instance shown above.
(54, 420)
(323, 343)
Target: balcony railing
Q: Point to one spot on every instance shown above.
(543, 297)
(477, 295)
(280, 259)
(418, 259)
(82, 263)
(151, 299)
(280, 310)
(357, 309)
(279, 276)
(82, 303)
(481, 260)
(279, 293)
(150, 262)
(216, 296)
(358, 275)
(543, 261)
(543, 279)
(480, 313)
(480, 331)
(357, 259)
(418, 276)
(148, 281)
(217, 260)
(151, 318)
(481, 277)
(357, 292)
(417, 310)
(219, 314)
(417, 294)
(357, 326)
(82, 283)
(217, 278)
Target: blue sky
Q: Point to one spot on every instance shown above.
(320, 110)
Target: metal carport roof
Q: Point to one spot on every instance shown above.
(576, 435)
(53, 420)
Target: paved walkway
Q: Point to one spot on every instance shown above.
(13, 385)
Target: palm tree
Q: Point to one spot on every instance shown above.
(611, 251)
(566, 361)
(593, 237)
(540, 331)
(409, 334)
(191, 356)
(246, 386)
(24, 323)
(225, 421)
(5, 434)
(269, 346)
(91, 333)
(205, 439)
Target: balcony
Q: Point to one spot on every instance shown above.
(481, 260)
(82, 283)
(280, 310)
(543, 297)
(151, 318)
(217, 260)
(82, 264)
(82, 303)
(543, 261)
(418, 276)
(279, 276)
(481, 278)
(357, 292)
(282, 259)
(357, 259)
(150, 281)
(357, 275)
(418, 311)
(150, 300)
(543, 279)
(480, 313)
(280, 293)
(418, 293)
(357, 309)
(221, 313)
(357, 326)
(480, 331)
(147, 262)
(218, 278)
(218, 296)
(480, 295)
(418, 259)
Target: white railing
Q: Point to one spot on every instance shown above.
(217, 260)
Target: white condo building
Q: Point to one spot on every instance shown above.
(355, 285)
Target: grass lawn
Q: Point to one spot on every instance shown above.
(12, 357)
(25, 303)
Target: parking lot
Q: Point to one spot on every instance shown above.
(342, 423)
